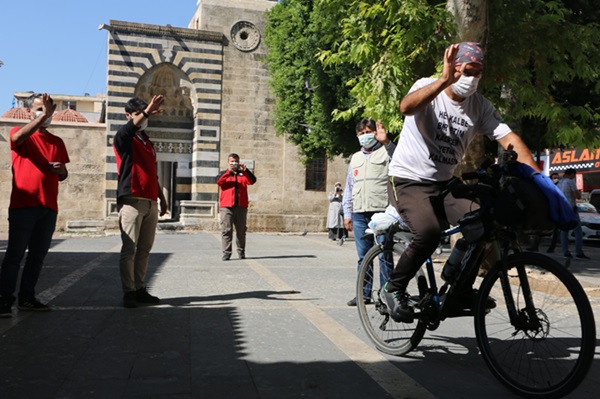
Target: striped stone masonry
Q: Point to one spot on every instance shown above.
(186, 66)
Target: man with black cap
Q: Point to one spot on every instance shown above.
(443, 115)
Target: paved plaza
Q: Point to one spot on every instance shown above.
(274, 325)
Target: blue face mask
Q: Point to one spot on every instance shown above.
(367, 140)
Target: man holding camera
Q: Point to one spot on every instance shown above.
(233, 205)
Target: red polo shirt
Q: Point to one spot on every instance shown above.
(33, 183)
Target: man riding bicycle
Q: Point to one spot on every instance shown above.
(442, 117)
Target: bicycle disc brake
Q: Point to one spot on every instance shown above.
(536, 328)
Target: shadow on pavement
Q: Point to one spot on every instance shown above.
(263, 295)
(280, 257)
(55, 242)
(164, 353)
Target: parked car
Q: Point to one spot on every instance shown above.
(590, 222)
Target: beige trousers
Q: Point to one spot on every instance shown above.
(137, 220)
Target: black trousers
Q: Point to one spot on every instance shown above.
(426, 215)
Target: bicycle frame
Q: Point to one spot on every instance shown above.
(443, 298)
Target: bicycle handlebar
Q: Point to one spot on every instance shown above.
(488, 183)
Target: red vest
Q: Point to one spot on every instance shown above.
(136, 163)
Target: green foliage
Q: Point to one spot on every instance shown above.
(390, 43)
(362, 55)
(294, 34)
(543, 69)
(542, 66)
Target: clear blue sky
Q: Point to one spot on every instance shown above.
(56, 47)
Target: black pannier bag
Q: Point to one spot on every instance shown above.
(522, 204)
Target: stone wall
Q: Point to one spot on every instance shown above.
(81, 196)
(278, 201)
(218, 65)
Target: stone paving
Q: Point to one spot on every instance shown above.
(274, 325)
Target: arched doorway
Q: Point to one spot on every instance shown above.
(172, 131)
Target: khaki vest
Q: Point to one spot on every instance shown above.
(369, 193)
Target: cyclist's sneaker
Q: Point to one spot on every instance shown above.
(142, 296)
(33, 305)
(397, 302)
(5, 308)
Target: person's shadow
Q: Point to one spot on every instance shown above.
(263, 295)
(278, 257)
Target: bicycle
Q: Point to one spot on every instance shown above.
(534, 324)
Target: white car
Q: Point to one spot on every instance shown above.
(590, 222)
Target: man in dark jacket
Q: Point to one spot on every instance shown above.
(233, 205)
(138, 192)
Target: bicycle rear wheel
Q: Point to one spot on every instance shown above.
(547, 349)
(388, 336)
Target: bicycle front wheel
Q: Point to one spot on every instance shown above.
(546, 346)
(388, 336)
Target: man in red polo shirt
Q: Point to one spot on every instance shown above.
(38, 164)
(137, 193)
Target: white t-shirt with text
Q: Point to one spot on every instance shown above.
(434, 140)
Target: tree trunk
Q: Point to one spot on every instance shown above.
(472, 25)
(471, 19)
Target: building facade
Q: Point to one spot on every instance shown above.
(218, 101)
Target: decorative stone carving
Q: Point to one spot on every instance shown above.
(245, 36)
(169, 81)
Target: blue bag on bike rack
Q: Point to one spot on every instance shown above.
(561, 212)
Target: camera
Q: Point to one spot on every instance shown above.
(235, 166)
(338, 189)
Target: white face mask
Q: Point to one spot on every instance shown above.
(555, 181)
(47, 122)
(465, 86)
(367, 140)
(144, 125)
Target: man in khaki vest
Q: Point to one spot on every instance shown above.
(366, 190)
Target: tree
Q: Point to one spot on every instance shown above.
(307, 94)
(542, 64)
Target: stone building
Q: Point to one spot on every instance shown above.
(218, 101)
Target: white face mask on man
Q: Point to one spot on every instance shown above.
(141, 127)
(47, 122)
(144, 125)
(465, 86)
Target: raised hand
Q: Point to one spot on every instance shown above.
(380, 133)
(48, 107)
(154, 107)
(449, 72)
